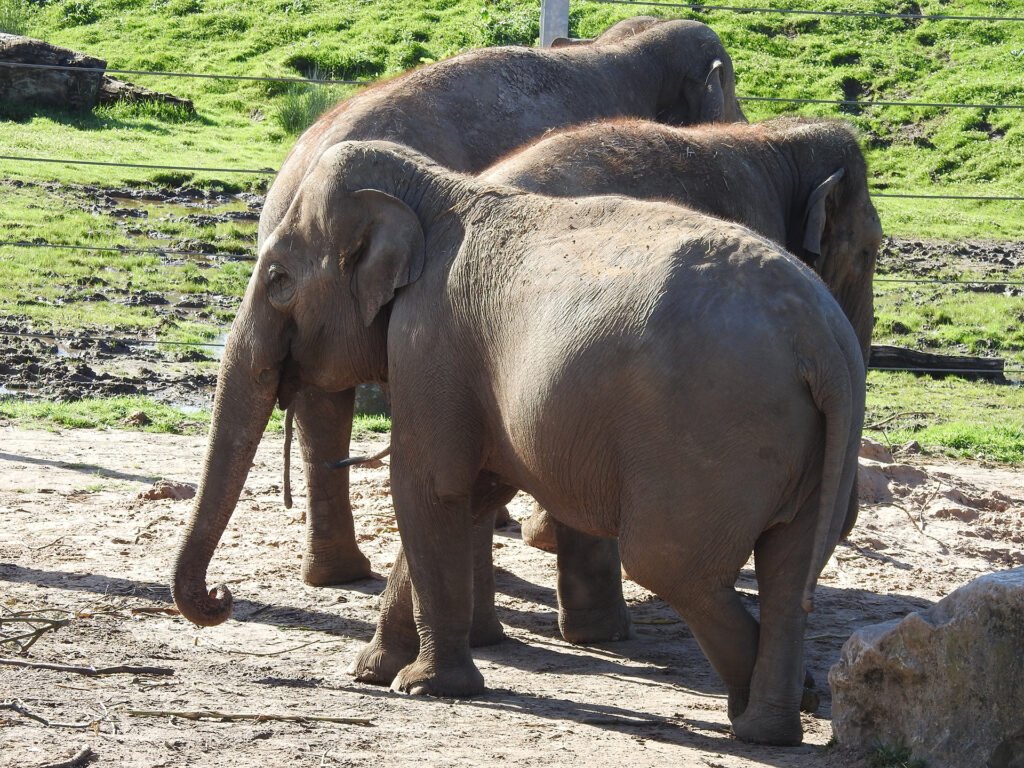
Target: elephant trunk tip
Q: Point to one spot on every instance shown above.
(205, 608)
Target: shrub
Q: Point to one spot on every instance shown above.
(301, 104)
(14, 17)
(76, 13)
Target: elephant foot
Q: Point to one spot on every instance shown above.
(539, 531)
(328, 570)
(764, 726)
(379, 662)
(487, 631)
(596, 625)
(455, 681)
(503, 518)
(809, 698)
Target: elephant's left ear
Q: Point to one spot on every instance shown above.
(815, 213)
(392, 252)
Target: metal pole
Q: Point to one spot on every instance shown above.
(554, 21)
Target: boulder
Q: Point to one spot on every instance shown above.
(946, 683)
(113, 90)
(62, 88)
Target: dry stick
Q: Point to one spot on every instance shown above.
(880, 424)
(209, 714)
(19, 707)
(272, 653)
(90, 671)
(35, 634)
(80, 758)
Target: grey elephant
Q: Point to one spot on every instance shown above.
(465, 113)
(643, 370)
(801, 182)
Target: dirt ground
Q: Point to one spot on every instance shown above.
(78, 542)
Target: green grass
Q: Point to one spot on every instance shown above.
(889, 757)
(113, 413)
(952, 416)
(14, 17)
(252, 125)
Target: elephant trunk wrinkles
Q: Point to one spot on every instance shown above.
(245, 399)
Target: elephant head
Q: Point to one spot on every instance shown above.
(698, 80)
(835, 228)
(311, 315)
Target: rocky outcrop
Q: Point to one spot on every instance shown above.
(75, 88)
(946, 683)
(114, 90)
(82, 86)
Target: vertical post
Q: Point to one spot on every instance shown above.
(554, 20)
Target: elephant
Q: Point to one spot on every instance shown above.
(801, 182)
(465, 113)
(645, 371)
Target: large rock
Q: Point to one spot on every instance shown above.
(63, 88)
(946, 683)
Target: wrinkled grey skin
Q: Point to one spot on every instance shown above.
(465, 113)
(644, 371)
(799, 182)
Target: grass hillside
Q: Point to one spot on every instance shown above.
(251, 125)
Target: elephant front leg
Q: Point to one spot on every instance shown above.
(591, 608)
(436, 530)
(396, 643)
(324, 423)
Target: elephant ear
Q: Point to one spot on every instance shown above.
(712, 106)
(567, 42)
(815, 214)
(392, 251)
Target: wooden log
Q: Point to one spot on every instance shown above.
(885, 357)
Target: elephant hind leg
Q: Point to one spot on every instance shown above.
(711, 607)
(777, 684)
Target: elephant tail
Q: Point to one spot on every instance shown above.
(831, 381)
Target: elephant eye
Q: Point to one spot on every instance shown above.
(280, 286)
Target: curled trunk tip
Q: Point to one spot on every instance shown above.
(203, 607)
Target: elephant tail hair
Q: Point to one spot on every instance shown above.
(833, 393)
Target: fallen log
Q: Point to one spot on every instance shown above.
(889, 358)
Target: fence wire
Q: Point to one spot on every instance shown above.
(807, 12)
(271, 172)
(129, 342)
(122, 249)
(19, 158)
(26, 65)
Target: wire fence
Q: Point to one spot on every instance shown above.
(55, 339)
(271, 172)
(810, 12)
(136, 342)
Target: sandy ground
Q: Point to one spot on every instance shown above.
(75, 537)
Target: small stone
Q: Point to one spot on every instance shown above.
(911, 447)
(137, 419)
(870, 449)
(169, 489)
(946, 683)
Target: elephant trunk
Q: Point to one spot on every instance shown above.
(246, 393)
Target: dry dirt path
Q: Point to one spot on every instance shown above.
(76, 537)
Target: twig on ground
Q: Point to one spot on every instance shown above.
(15, 705)
(89, 671)
(58, 540)
(944, 550)
(826, 636)
(156, 609)
(272, 653)
(879, 424)
(209, 714)
(80, 758)
(26, 640)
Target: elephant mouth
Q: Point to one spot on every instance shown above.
(289, 385)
